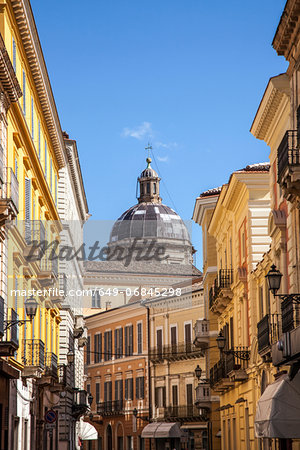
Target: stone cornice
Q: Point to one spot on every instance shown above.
(276, 91)
(203, 204)
(28, 32)
(8, 77)
(76, 175)
(288, 29)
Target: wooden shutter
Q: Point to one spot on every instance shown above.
(88, 350)
(105, 346)
(121, 342)
(97, 392)
(105, 391)
(126, 341)
(189, 394)
(175, 395)
(173, 337)
(96, 357)
(231, 333)
(110, 390)
(110, 343)
(100, 347)
(126, 389)
(142, 387)
(121, 390)
(116, 344)
(188, 334)
(131, 388)
(117, 390)
(164, 396)
(159, 339)
(139, 333)
(137, 388)
(131, 340)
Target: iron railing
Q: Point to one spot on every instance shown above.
(14, 331)
(175, 351)
(2, 305)
(223, 281)
(51, 364)
(12, 192)
(288, 153)
(268, 331)
(110, 407)
(34, 231)
(290, 314)
(34, 353)
(2, 164)
(182, 411)
(228, 363)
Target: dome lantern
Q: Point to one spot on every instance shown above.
(149, 185)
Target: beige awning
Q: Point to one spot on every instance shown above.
(157, 430)
(278, 410)
(87, 432)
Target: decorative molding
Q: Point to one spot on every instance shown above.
(8, 77)
(287, 29)
(28, 32)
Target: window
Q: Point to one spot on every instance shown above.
(96, 299)
(55, 189)
(24, 92)
(188, 333)
(107, 345)
(118, 390)
(118, 343)
(51, 174)
(139, 387)
(97, 347)
(160, 397)
(173, 338)
(129, 389)
(107, 391)
(45, 159)
(154, 188)
(140, 338)
(148, 188)
(129, 340)
(32, 118)
(88, 350)
(14, 51)
(27, 210)
(261, 301)
(175, 395)
(159, 341)
(97, 392)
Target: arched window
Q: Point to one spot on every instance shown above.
(148, 188)
(154, 188)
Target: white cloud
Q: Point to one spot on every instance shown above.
(140, 132)
(168, 145)
(163, 158)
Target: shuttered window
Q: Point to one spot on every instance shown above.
(46, 158)
(129, 389)
(175, 395)
(55, 189)
(119, 390)
(140, 338)
(27, 209)
(51, 185)
(118, 343)
(107, 345)
(88, 350)
(39, 139)
(97, 392)
(139, 387)
(129, 340)
(32, 118)
(96, 299)
(14, 54)
(107, 391)
(97, 347)
(24, 92)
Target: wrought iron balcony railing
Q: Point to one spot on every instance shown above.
(182, 412)
(175, 352)
(268, 332)
(34, 231)
(51, 364)
(288, 154)
(34, 353)
(238, 360)
(223, 281)
(9, 200)
(290, 314)
(110, 407)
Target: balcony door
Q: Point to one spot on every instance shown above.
(173, 339)
(188, 336)
(159, 341)
(189, 399)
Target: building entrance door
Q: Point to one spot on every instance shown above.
(109, 437)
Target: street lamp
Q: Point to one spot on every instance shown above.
(70, 357)
(90, 399)
(30, 308)
(240, 354)
(198, 372)
(274, 279)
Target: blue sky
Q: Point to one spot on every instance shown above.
(188, 75)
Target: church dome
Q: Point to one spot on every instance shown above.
(149, 220)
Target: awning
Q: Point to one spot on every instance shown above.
(278, 410)
(87, 432)
(157, 430)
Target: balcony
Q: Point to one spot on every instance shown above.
(288, 160)
(220, 293)
(229, 369)
(110, 408)
(48, 268)
(183, 413)
(203, 396)
(80, 404)
(51, 368)
(268, 333)
(34, 234)
(201, 331)
(9, 201)
(176, 352)
(33, 358)
(11, 344)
